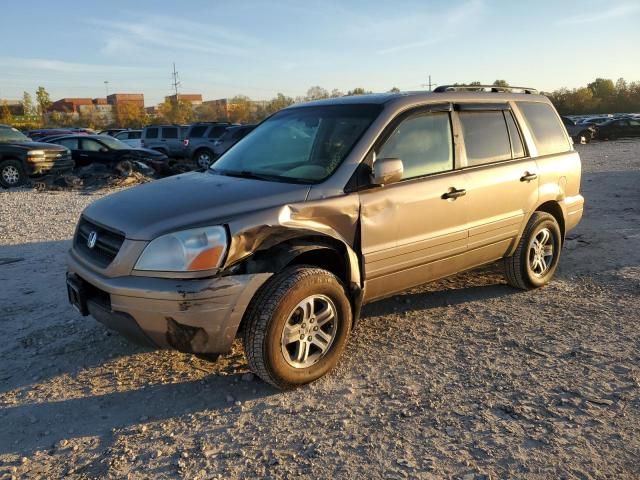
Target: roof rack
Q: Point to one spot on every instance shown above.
(485, 88)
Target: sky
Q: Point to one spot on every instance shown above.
(260, 48)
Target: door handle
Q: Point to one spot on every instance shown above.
(453, 193)
(527, 177)
(84, 155)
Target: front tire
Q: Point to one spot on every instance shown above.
(12, 174)
(536, 258)
(297, 326)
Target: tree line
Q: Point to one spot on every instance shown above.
(600, 96)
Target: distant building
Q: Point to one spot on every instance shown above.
(116, 99)
(194, 99)
(226, 105)
(15, 106)
(69, 105)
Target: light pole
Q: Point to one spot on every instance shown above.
(106, 86)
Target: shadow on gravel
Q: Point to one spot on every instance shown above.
(101, 413)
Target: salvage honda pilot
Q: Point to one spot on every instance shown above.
(324, 207)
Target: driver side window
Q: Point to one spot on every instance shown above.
(424, 144)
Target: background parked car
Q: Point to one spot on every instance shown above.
(21, 157)
(48, 132)
(200, 140)
(111, 131)
(580, 133)
(133, 138)
(623, 127)
(167, 139)
(231, 136)
(87, 149)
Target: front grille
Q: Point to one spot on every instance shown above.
(52, 156)
(107, 245)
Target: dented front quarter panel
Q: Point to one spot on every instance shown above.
(335, 218)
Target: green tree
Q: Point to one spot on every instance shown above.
(500, 83)
(394, 90)
(358, 91)
(43, 100)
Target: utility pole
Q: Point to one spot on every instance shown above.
(106, 86)
(430, 85)
(176, 83)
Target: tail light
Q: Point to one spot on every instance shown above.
(142, 143)
(186, 142)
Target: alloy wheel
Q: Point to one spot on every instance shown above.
(11, 175)
(309, 331)
(541, 252)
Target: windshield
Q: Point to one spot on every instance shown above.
(12, 135)
(114, 143)
(303, 144)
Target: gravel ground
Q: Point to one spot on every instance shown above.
(463, 378)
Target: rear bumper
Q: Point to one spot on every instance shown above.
(575, 208)
(190, 315)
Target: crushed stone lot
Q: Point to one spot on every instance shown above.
(463, 378)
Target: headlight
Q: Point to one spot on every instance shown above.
(35, 153)
(186, 251)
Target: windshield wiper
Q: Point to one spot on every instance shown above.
(259, 176)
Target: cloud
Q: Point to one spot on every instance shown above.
(40, 64)
(172, 34)
(440, 27)
(604, 14)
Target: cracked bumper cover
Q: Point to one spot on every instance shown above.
(190, 315)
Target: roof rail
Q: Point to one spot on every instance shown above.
(484, 88)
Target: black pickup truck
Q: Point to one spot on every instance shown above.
(21, 158)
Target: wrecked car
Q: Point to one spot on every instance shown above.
(104, 149)
(20, 158)
(324, 207)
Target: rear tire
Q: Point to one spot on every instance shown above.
(297, 326)
(12, 174)
(204, 158)
(535, 260)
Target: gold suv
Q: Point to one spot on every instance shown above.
(323, 207)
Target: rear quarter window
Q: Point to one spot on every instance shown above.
(545, 127)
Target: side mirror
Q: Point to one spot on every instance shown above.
(387, 170)
(104, 150)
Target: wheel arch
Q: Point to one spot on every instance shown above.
(553, 208)
(319, 251)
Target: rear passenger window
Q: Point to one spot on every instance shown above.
(152, 132)
(423, 143)
(486, 138)
(216, 132)
(197, 132)
(546, 129)
(170, 132)
(134, 135)
(517, 147)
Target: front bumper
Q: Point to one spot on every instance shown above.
(47, 166)
(190, 315)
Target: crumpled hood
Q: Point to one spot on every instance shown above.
(188, 200)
